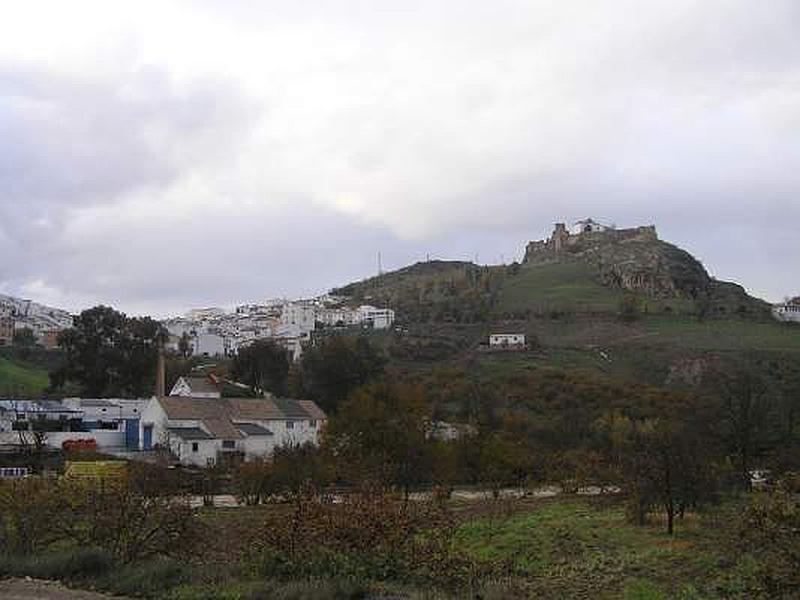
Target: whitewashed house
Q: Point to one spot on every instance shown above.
(299, 314)
(337, 317)
(377, 318)
(589, 226)
(787, 311)
(199, 314)
(208, 344)
(197, 386)
(203, 431)
(507, 340)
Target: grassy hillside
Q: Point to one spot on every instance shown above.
(627, 308)
(19, 379)
(461, 292)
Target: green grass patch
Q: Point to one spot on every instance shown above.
(17, 379)
(717, 334)
(563, 286)
(573, 548)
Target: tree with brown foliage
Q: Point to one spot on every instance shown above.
(661, 463)
(379, 435)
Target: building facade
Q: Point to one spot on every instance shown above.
(788, 311)
(204, 431)
(507, 340)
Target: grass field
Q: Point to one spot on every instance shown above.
(557, 286)
(572, 548)
(21, 380)
(719, 334)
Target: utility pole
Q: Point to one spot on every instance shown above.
(380, 266)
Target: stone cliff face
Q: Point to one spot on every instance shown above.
(633, 259)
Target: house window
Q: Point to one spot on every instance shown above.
(289, 424)
(228, 444)
(195, 446)
(313, 423)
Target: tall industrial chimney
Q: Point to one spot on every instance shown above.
(161, 374)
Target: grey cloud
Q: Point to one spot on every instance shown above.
(447, 128)
(72, 141)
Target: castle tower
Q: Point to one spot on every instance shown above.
(560, 234)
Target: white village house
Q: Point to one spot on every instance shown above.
(507, 340)
(197, 386)
(787, 311)
(203, 431)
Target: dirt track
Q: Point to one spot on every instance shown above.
(35, 589)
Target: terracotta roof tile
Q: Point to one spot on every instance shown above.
(218, 414)
(314, 411)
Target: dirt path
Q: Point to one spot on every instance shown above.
(36, 589)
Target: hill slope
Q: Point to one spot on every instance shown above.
(21, 380)
(596, 273)
(629, 306)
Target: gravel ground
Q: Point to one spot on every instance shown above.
(36, 589)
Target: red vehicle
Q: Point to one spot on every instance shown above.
(88, 445)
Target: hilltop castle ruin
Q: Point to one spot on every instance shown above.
(585, 235)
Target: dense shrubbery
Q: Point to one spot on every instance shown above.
(368, 535)
(769, 533)
(111, 515)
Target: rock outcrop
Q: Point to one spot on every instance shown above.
(632, 259)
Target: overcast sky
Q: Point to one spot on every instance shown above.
(158, 156)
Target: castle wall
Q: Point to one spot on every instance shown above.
(561, 240)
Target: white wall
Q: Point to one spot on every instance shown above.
(507, 339)
(209, 344)
(786, 312)
(54, 439)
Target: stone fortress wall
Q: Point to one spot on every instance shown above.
(561, 240)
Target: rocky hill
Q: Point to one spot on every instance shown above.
(579, 273)
(636, 260)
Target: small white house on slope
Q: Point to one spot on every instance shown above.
(207, 386)
(203, 431)
(787, 311)
(507, 340)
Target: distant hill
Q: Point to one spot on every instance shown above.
(587, 273)
(617, 303)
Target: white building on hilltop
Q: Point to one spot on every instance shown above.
(509, 341)
(589, 226)
(787, 311)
